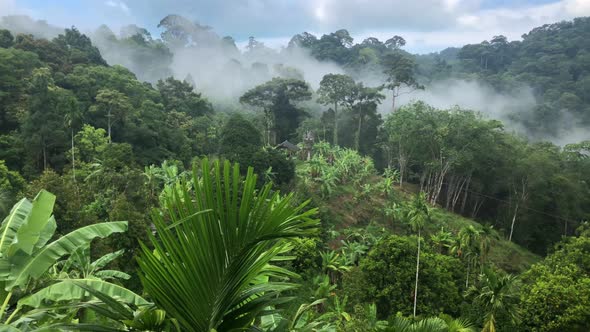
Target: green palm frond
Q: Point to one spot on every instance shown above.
(204, 272)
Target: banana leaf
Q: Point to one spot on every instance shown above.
(69, 290)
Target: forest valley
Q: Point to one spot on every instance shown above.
(264, 196)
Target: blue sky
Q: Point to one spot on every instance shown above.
(427, 25)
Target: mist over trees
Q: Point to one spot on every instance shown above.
(372, 204)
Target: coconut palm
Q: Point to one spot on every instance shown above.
(214, 248)
(497, 295)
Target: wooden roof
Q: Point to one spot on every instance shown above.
(289, 146)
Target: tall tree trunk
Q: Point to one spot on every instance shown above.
(513, 222)
(357, 142)
(335, 124)
(476, 205)
(267, 125)
(417, 274)
(464, 182)
(273, 130)
(423, 180)
(44, 157)
(402, 162)
(439, 180)
(520, 200)
(109, 125)
(451, 187)
(73, 158)
(465, 195)
(393, 95)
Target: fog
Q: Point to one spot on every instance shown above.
(479, 97)
(26, 25)
(512, 109)
(570, 129)
(223, 72)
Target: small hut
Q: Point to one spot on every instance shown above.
(289, 147)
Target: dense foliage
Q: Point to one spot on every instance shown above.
(214, 246)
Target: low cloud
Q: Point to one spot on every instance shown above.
(511, 108)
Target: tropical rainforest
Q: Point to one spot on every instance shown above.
(180, 183)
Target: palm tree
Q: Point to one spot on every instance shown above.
(444, 323)
(417, 215)
(430, 324)
(458, 324)
(496, 294)
(469, 246)
(211, 266)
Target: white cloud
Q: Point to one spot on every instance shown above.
(7, 6)
(578, 7)
(476, 25)
(427, 25)
(377, 14)
(119, 5)
(10, 7)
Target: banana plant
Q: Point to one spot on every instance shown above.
(80, 265)
(353, 251)
(333, 264)
(122, 314)
(337, 313)
(26, 255)
(443, 240)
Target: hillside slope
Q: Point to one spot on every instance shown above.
(364, 204)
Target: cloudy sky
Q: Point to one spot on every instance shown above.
(427, 25)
